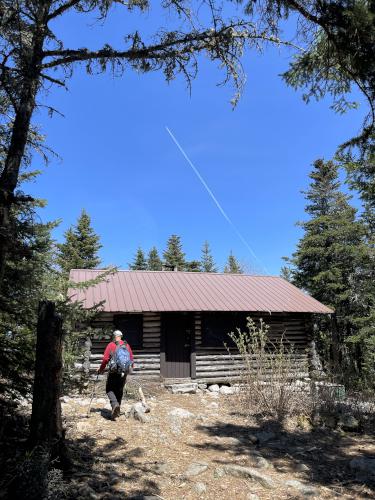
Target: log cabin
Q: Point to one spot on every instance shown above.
(178, 322)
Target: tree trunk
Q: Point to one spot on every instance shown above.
(46, 428)
(31, 70)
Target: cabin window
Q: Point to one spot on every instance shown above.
(217, 326)
(131, 326)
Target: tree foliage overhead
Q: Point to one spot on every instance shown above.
(80, 248)
(33, 58)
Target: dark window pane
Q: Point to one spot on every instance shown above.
(216, 326)
(131, 326)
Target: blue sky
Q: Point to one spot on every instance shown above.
(119, 163)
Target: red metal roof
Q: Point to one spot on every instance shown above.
(137, 291)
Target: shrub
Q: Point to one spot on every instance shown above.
(268, 377)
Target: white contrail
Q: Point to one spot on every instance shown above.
(213, 197)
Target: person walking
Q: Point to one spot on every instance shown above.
(119, 355)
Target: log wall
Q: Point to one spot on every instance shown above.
(216, 364)
(212, 364)
(146, 359)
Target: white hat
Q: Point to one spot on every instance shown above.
(117, 333)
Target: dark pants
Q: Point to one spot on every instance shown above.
(115, 388)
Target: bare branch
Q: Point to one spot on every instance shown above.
(60, 10)
(53, 80)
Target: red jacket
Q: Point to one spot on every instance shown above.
(111, 347)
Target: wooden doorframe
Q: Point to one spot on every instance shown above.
(163, 343)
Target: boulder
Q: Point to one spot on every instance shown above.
(202, 387)
(214, 388)
(196, 468)
(364, 467)
(250, 473)
(199, 488)
(306, 489)
(188, 388)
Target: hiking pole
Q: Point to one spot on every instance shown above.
(92, 396)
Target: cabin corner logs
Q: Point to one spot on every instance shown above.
(181, 345)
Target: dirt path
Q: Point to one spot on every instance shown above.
(190, 446)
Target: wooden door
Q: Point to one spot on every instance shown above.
(177, 329)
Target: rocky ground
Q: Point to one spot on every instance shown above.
(192, 446)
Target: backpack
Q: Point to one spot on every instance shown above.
(120, 361)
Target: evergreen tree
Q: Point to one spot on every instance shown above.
(154, 262)
(173, 255)
(233, 266)
(139, 262)
(193, 266)
(207, 261)
(28, 263)
(81, 246)
(329, 257)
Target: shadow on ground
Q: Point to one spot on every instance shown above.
(97, 469)
(317, 457)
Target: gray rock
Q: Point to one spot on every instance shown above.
(348, 423)
(137, 411)
(364, 466)
(189, 388)
(202, 387)
(219, 472)
(260, 462)
(264, 436)
(195, 469)
(175, 425)
(181, 413)
(250, 473)
(199, 488)
(252, 496)
(65, 399)
(224, 389)
(305, 489)
(214, 388)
